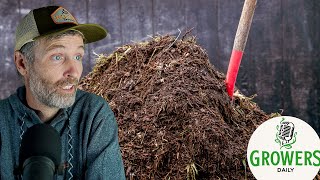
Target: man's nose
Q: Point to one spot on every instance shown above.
(73, 68)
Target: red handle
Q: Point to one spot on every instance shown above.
(239, 44)
(233, 69)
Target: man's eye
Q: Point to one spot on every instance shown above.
(78, 57)
(56, 57)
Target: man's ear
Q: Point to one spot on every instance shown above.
(20, 62)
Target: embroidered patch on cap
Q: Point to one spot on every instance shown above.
(61, 15)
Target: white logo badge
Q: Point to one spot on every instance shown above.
(61, 15)
(284, 148)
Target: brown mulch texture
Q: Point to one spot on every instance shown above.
(175, 118)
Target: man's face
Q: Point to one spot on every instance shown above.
(53, 77)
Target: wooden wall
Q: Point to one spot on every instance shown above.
(281, 62)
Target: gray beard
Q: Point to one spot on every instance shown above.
(47, 94)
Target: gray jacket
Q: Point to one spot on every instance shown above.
(88, 131)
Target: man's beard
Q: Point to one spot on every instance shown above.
(47, 93)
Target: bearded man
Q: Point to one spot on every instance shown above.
(48, 55)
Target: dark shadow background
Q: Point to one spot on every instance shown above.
(281, 61)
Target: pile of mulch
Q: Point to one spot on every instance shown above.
(175, 118)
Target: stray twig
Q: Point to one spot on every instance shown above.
(174, 39)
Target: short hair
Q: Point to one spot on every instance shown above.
(27, 50)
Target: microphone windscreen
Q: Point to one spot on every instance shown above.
(41, 140)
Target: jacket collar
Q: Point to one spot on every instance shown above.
(29, 116)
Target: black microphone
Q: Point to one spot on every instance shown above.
(40, 152)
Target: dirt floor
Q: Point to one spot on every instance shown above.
(175, 118)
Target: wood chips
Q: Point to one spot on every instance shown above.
(175, 118)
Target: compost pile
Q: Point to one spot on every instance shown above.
(175, 118)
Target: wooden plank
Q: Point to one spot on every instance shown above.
(26, 6)
(229, 12)
(169, 16)
(313, 98)
(301, 56)
(9, 16)
(300, 84)
(136, 20)
(312, 19)
(266, 31)
(297, 39)
(107, 14)
(313, 24)
(202, 15)
(269, 83)
(292, 48)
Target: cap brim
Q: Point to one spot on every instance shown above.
(91, 32)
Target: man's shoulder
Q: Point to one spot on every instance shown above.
(5, 107)
(5, 102)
